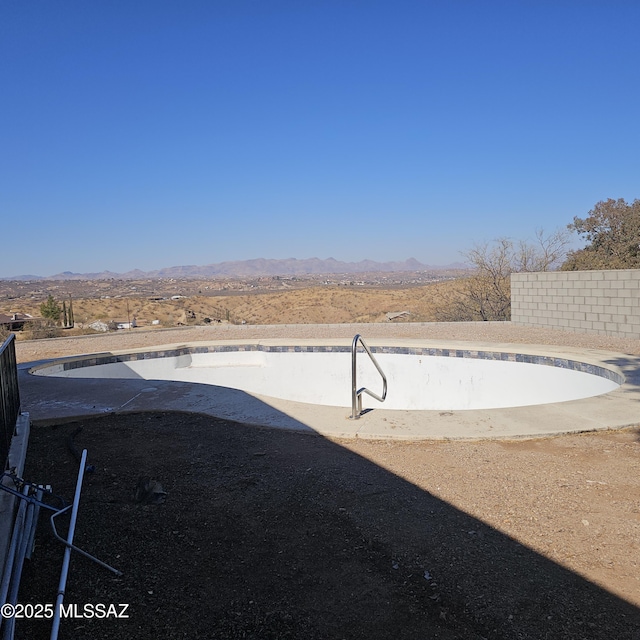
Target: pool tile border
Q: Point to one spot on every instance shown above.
(564, 363)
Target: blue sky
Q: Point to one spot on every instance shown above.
(146, 134)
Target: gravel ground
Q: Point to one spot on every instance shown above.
(499, 332)
(275, 534)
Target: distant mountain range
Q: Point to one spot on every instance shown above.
(252, 268)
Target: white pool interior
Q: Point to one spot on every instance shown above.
(416, 381)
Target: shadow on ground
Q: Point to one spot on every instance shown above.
(277, 534)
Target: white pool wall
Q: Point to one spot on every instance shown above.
(415, 382)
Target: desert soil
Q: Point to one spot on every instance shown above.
(306, 303)
(272, 534)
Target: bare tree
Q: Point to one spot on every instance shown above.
(486, 295)
(546, 253)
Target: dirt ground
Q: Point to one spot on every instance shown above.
(273, 534)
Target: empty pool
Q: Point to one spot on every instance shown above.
(419, 378)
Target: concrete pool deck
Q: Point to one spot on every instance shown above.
(53, 399)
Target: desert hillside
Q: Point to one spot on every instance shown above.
(313, 304)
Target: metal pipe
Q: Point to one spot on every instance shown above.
(9, 629)
(34, 526)
(78, 549)
(355, 412)
(30, 498)
(21, 544)
(13, 546)
(67, 552)
(356, 394)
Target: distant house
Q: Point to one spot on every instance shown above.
(126, 325)
(15, 321)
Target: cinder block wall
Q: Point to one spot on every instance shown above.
(604, 302)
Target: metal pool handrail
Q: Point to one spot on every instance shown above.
(356, 394)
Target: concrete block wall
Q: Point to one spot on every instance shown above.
(604, 302)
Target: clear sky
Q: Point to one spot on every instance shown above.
(153, 133)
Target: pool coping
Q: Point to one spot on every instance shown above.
(53, 399)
